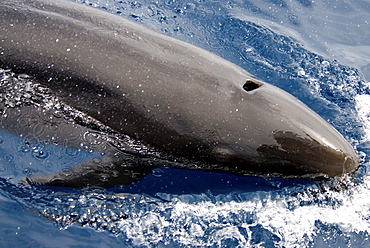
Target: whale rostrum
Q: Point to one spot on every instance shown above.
(173, 96)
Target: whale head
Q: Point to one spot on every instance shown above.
(281, 135)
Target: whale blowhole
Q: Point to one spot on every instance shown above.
(251, 85)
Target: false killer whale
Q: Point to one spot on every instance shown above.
(172, 96)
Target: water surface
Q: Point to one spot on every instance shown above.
(316, 50)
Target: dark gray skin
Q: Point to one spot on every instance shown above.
(171, 95)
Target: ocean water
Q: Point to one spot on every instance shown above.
(319, 51)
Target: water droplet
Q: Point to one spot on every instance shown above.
(40, 154)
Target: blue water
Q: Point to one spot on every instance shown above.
(319, 51)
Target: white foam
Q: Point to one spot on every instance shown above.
(189, 223)
(363, 110)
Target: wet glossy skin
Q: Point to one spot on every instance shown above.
(167, 93)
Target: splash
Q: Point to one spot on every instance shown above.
(363, 110)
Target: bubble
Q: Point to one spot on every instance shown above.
(9, 157)
(27, 171)
(25, 149)
(93, 138)
(254, 9)
(71, 151)
(40, 154)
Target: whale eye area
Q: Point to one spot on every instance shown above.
(251, 85)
